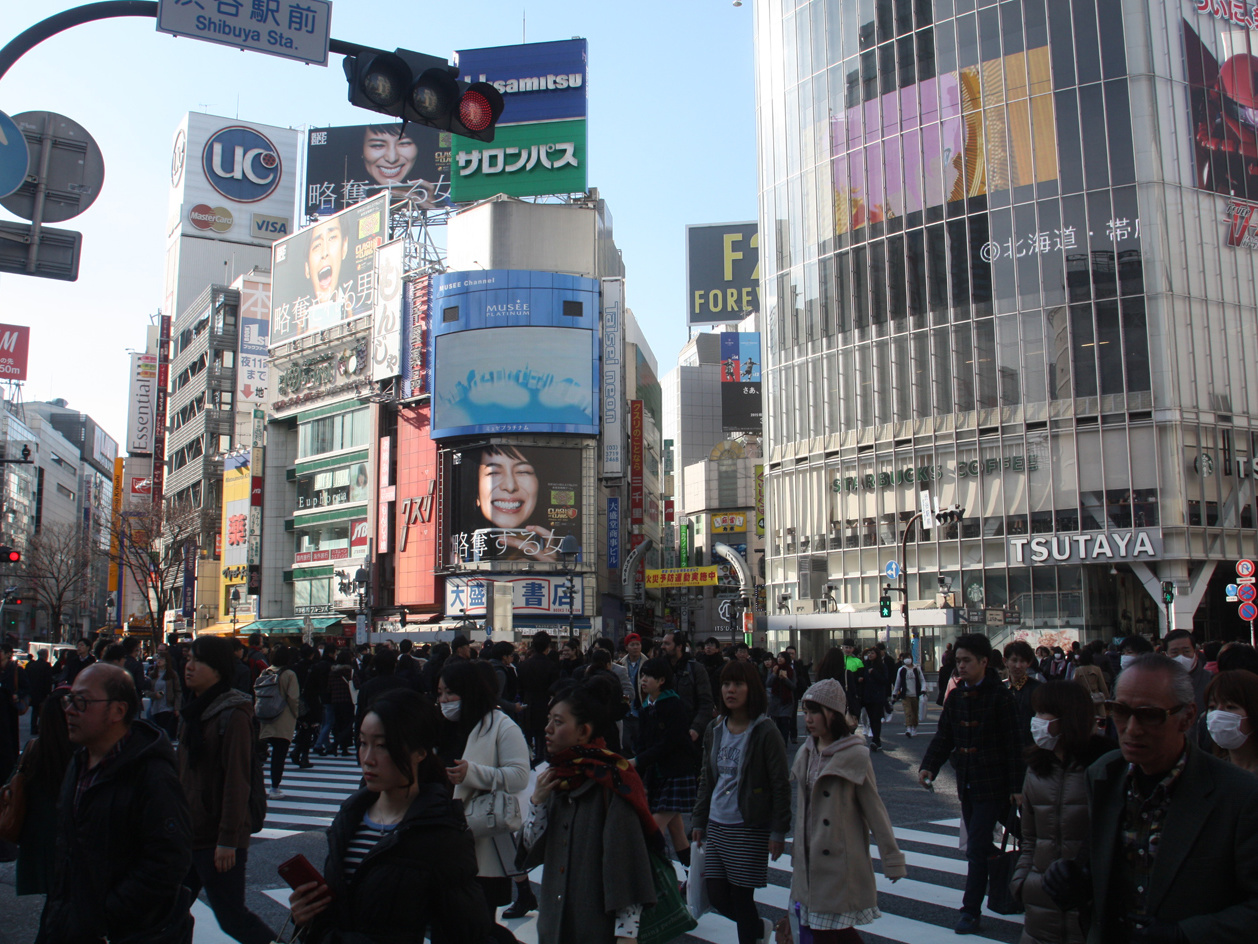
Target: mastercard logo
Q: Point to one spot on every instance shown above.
(218, 219)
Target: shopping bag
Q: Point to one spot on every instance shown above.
(668, 918)
(696, 887)
(1000, 869)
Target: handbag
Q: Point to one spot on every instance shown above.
(697, 887)
(495, 811)
(13, 803)
(1000, 869)
(669, 917)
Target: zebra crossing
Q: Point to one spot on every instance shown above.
(921, 908)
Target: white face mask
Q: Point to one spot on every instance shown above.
(1039, 733)
(908, 661)
(1225, 729)
(451, 709)
(1186, 661)
(1126, 659)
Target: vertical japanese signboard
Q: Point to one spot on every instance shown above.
(636, 450)
(683, 550)
(613, 392)
(613, 533)
(386, 329)
(159, 419)
(255, 328)
(759, 470)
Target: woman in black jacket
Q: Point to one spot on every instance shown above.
(666, 761)
(875, 694)
(401, 860)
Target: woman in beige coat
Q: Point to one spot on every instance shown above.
(838, 806)
(1055, 821)
(277, 728)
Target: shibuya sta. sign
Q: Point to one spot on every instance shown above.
(1090, 546)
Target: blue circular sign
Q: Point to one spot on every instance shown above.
(14, 156)
(892, 570)
(241, 164)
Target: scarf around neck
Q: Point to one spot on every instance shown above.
(194, 733)
(613, 773)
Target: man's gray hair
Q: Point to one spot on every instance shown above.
(1177, 676)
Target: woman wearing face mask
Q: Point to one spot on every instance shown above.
(491, 755)
(1232, 706)
(910, 683)
(590, 829)
(1055, 819)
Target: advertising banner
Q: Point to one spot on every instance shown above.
(255, 327)
(359, 537)
(613, 391)
(682, 577)
(670, 512)
(514, 351)
(515, 503)
(325, 274)
(15, 342)
(741, 403)
(234, 555)
(347, 165)
(759, 471)
(684, 544)
(531, 160)
(613, 533)
(538, 81)
(729, 522)
(415, 380)
(530, 596)
(386, 328)
(722, 272)
(418, 516)
(233, 180)
(637, 446)
(143, 394)
(159, 412)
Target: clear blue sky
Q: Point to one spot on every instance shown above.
(672, 142)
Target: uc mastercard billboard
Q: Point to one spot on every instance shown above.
(514, 352)
(232, 180)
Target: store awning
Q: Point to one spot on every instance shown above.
(294, 624)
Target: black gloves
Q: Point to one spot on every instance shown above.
(1069, 884)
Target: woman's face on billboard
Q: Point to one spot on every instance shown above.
(388, 158)
(507, 492)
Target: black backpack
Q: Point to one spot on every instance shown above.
(257, 776)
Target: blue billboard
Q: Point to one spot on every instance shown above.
(514, 352)
(538, 81)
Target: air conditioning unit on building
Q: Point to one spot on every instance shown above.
(803, 607)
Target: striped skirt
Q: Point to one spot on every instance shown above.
(737, 854)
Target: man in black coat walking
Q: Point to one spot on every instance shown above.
(537, 674)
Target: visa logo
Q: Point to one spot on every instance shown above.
(269, 227)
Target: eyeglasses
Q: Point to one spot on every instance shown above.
(1148, 716)
(80, 702)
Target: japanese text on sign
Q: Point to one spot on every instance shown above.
(293, 29)
(682, 577)
(1057, 240)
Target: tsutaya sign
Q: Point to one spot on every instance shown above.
(1086, 547)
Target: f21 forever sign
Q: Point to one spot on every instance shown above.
(722, 272)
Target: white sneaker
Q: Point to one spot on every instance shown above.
(911, 731)
(274, 795)
(768, 931)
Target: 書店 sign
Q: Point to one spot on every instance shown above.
(682, 577)
(1086, 547)
(287, 28)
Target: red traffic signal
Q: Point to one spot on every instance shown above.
(9, 555)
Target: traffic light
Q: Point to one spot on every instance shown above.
(1168, 592)
(884, 606)
(949, 515)
(422, 90)
(9, 555)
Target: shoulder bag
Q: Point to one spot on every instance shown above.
(1000, 869)
(496, 810)
(13, 802)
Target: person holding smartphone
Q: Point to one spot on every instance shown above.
(401, 861)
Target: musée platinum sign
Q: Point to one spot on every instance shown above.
(1086, 547)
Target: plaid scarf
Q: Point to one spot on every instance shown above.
(595, 762)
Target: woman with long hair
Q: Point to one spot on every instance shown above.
(1232, 707)
(744, 808)
(401, 861)
(486, 753)
(837, 807)
(1055, 819)
(43, 764)
(590, 828)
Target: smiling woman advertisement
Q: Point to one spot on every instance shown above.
(348, 164)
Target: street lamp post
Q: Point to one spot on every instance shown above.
(568, 550)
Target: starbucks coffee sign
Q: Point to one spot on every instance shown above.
(1086, 547)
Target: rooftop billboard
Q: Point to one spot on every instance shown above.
(347, 165)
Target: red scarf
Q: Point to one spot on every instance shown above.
(595, 762)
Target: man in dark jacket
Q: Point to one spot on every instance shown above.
(432, 668)
(39, 684)
(536, 675)
(978, 732)
(690, 682)
(123, 833)
(385, 678)
(1174, 830)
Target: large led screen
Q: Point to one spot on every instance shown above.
(1223, 91)
(515, 502)
(514, 352)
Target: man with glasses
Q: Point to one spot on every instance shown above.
(123, 836)
(1174, 838)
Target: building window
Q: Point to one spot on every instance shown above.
(334, 433)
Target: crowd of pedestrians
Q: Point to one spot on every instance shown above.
(1126, 777)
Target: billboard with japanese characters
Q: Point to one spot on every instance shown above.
(741, 404)
(347, 165)
(530, 160)
(255, 325)
(514, 352)
(237, 489)
(532, 595)
(515, 502)
(325, 275)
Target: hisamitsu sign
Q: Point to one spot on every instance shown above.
(292, 29)
(682, 577)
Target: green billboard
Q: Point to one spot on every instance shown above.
(528, 160)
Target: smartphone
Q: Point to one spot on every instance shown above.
(298, 871)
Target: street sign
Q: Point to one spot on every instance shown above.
(1231, 589)
(1244, 580)
(301, 32)
(1244, 568)
(1248, 611)
(892, 570)
(66, 159)
(1247, 592)
(14, 156)
(58, 256)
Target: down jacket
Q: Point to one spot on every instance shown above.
(1055, 826)
(835, 873)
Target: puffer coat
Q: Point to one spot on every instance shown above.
(1055, 825)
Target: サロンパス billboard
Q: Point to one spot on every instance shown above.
(722, 272)
(347, 165)
(514, 351)
(325, 274)
(515, 502)
(547, 157)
